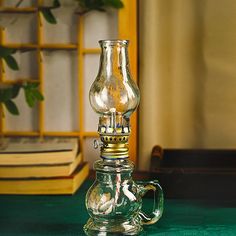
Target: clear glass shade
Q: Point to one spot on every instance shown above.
(113, 90)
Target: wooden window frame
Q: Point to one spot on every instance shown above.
(127, 29)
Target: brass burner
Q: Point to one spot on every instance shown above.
(114, 145)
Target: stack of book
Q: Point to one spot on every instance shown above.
(48, 166)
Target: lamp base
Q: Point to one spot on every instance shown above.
(113, 227)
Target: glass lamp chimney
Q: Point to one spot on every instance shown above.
(114, 96)
(113, 91)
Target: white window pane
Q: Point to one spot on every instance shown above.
(61, 107)
(91, 64)
(99, 25)
(65, 31)
(28, 118)
(21, 28)
(28, 66)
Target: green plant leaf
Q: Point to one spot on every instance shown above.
(98, 5)
(31, 85)
(5, 94)
(100, 9)
(56, 3)
(114, 3)
(4, 51)
(5, 54)
(11, 62)
(15, 90)
(11, 107)
(37, 95)
(3, 112)
(92, 4)
(81, 3)
(1, 96)
(32, 94)
(13, 51)
(88, 5)
(48, 16)
(29, 98)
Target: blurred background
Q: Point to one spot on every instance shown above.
(187, 75)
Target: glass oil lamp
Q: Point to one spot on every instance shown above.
(114, 201)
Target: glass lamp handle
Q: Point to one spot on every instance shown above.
(144, 187)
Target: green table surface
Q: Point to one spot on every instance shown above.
(66, 215)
